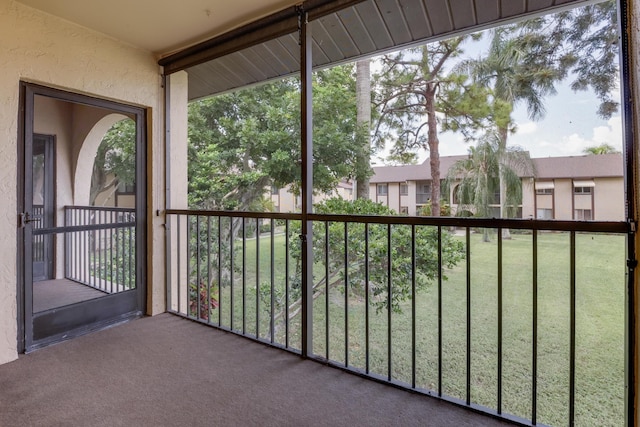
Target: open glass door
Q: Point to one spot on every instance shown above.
(81, 215)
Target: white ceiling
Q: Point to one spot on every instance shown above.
(160, 26)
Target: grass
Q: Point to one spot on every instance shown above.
(600, 283)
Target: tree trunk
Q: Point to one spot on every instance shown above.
(363, 133)
(503, 134)
(434, 153)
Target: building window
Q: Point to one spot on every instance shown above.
(544, 214)
(274, 190)
(383, 189)
(404, 189)
(582, 190)
(404, 210)
(126, 188)
(423, 193)
(544, 190)
(582, 214)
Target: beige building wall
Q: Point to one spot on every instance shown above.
(40, 48)
(393, 199)
(609, 199)
(411, 198)
(562, 198)
(528, 198)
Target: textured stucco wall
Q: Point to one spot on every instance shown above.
(40, 48)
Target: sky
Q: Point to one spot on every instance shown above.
(569, 126)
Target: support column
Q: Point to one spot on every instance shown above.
(629, 18)
(176, 188)
(307, 182)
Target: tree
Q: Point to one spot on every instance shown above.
(115, 161)
(512, 78)
(478, 178)
(582, 44)
(417, 92)
(426, 257)
(243, 142)
(363, 135)
(601, 149)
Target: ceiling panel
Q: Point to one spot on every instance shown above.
(366, 29)
(465, 16)
(395, 21)
(414, 13)
(487, 11)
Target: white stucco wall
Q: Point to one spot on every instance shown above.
(40, 48)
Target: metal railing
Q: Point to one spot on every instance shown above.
(420, 303)
(100, 247)
(39, 241)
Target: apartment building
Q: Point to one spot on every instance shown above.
(564, 188)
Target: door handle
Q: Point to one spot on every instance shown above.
(25, 218)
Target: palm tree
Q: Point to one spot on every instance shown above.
(489, 166)
(513, 76)
(601, 149)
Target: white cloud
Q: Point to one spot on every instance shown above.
(527, 128)
(545, 143)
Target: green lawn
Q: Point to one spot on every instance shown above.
(600, 276)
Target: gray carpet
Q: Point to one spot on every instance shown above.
(167, 371)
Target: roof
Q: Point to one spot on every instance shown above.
(421, 172)
(341, 31)
(590, 166)
(547, 168)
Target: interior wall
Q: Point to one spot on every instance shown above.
(40, 48)
(53, 117)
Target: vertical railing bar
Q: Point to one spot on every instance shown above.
(273, 279)
(92, 260)
(85, 267)
(326, 283)
(121, 258)
(572, 345)
(413, 306)
(244, 275)
(346, 294)
(178, 256)
(231, 268)
(439, 311)
(104, 263)
(219, 271)
(198, 276)
(188, 263)
(468, 298)
(366, 296)
(102, 255)
(130, 255)
(75, 246)
(80, 238)
(389, 302)
(286, 284)
(534, 339)
(500, 294)
(66, 244)
(209, 305)
(111, 221)
(257, 278)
